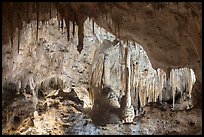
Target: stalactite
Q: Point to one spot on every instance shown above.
(68, 28)
(27, 11)
(153, 88)
(59, 24)
(57, 14)
(62, 24)
(191, 81)
(93, 25)
(50, 11)
(73, 25)
(31, 25)
(148, 89)
(172, 84)
(58, 19)
(80, 35)
(182, 82)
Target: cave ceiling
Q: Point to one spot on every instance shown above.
(169, 32)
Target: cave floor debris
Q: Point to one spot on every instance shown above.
(58, 115)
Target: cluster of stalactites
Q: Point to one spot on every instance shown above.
(17, 13)
(153, 88)
(147, 85)
(150, 87)
(182, 80)
(40, 12)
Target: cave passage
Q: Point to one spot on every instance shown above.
(101, 68)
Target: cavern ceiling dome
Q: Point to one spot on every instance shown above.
(105, 63)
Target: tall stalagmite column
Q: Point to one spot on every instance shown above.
(127, 71)
(128, 112)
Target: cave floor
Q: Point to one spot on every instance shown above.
(66, 116)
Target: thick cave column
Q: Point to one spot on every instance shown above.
(128, 112)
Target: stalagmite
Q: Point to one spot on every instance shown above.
(129, 110)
